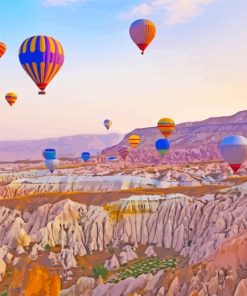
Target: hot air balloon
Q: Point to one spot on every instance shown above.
(142, 33)
(107, 123)
(11, 98)
(234, 151)
(2, 49)
(52, 164)
(85, 156)
(123, 151)
(166, 126)
(41, 57)
(50, 153)
(112, 158)
(162, 145)
(134, 140)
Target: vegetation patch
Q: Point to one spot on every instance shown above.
(150, 265)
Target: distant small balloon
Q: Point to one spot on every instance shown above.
(234, 151)
(123, 151)
(52, 164)
(107, 123)
(134, 140)
(162, 146)
(2, 49)
(142, 32)
(112, 158)
(49, 153)
(11, 98)
(166, 126)
(85, 156)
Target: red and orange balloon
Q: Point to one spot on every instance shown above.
(142, 33)
(2, 49)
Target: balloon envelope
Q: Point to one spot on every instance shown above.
(41, 57)
(166, 126)
(50, 153)
(52, 164)
(112, 158)
(142, 32)
(162, 145)
(11, 98)
(123, 151)
(107, 123)
(134, 140)
(85, 156)
(234, 151)
(2, 49)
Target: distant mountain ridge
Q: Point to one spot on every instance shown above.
(191, 141)
(68, 146)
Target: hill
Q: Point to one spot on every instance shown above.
(191, 141)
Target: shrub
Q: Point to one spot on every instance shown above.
(100, 270)
(47, 247)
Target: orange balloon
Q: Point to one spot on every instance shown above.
(142, 32)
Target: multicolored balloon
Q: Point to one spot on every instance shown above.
(49, 153)
(85, 156)
(234, 151)
(107, 123)
(162, 146)
(142, 32)
(2, 49)
(41, 57)
(166, 126)
(52, 164)
(11, 98)
(123, 151)
(134, 140)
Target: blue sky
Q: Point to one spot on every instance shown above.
(195, 68)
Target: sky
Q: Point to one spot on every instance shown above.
(195, 68)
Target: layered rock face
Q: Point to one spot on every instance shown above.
(101, 179)
(194, 227)
(197, 228)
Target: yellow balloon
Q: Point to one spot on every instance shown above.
(134, 140)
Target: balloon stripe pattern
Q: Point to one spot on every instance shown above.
(11, 98)
(2, 49)
(134, 140)
(166, 126)
(123, 151)
(49, 153)
(41, 57)
(142, 33)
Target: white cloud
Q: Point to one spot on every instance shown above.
(59, 2)
(175, 11)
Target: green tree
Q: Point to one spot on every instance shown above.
(100, 270)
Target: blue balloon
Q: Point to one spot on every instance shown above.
(85, 156)
(112, 158)
(50, 153)
(162, 145)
